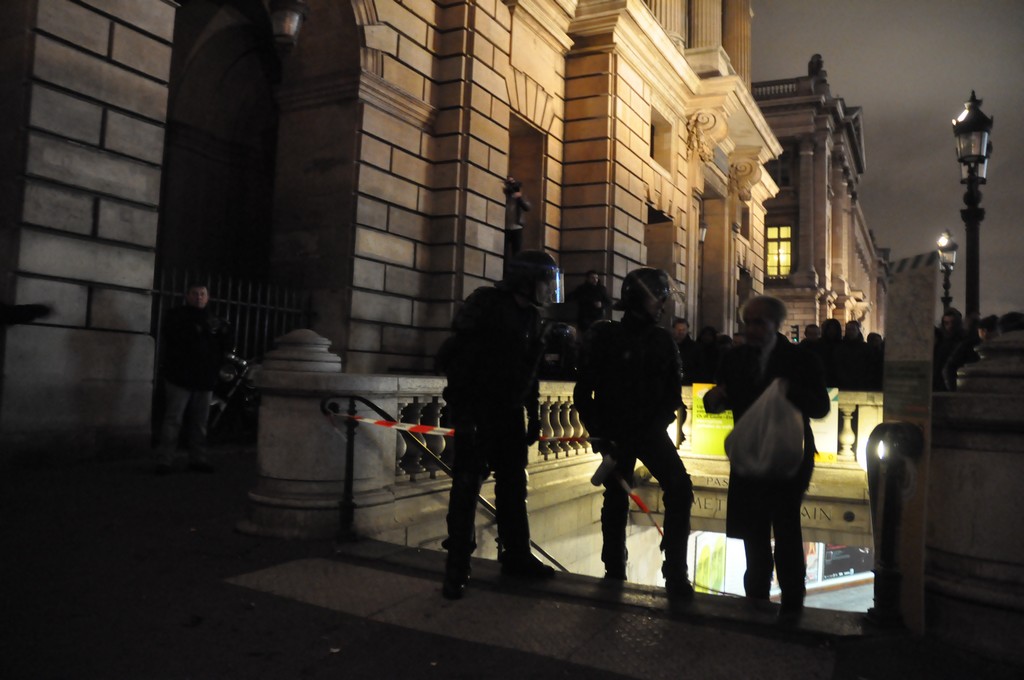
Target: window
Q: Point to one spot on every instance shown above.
(779, 247)
(661, 140)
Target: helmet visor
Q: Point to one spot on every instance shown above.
(558, 287)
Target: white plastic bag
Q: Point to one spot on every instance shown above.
(768, 441)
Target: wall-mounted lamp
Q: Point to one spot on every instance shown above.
(286, 17)
(702, 231)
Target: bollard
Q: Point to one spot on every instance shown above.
(893, 449)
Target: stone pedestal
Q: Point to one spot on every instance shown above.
(974, 588)
(301, 457)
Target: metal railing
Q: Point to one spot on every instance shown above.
(336, 407)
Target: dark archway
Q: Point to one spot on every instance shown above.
(221, 141)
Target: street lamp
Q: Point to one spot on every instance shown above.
(947, 260)
(971, 130)
(286, 17)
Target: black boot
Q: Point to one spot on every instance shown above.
(456, 576)
(524, 565)
(677, 582)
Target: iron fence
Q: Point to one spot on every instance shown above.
(257, 312)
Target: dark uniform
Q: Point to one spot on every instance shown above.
(627, 393)
(491, 362)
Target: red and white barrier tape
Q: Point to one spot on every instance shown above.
(440, 431)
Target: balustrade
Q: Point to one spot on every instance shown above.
(563, 435)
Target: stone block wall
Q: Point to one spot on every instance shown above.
(80, 232)
(611, 181)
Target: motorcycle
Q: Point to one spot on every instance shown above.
(234, 406)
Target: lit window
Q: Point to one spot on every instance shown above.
(779, 257)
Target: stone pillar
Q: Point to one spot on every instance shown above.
(974, 569)
(842, 222)
(83, 102)
(718, 283)
(671, 14)
(736, 37)
(805, 275)
(821, 218)
(705, 53)
(706, 23)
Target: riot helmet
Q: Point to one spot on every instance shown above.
(534, 275)
(641, 289)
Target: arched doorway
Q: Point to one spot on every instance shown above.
(220, 147)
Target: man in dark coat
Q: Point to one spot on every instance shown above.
(687, 348)
(628, 391)
(491, 362)
(758, 507)
(195, 342)
(592, 301)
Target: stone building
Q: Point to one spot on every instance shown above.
(821, 257)
(361, 161)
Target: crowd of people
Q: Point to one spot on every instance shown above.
(957, 342)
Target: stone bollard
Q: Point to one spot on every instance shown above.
(301, 459)
(974, 570)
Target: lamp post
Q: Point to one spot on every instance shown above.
(973, 149)
(947, 260)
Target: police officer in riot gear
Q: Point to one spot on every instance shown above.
(627, 393)
(491, 362)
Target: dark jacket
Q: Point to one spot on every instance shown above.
(630, 379)
(688, 352)
(806, 390)
(592, 303)
(492, 357)
(194, 344)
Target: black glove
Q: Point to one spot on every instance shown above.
(532, 431)
(606, 447)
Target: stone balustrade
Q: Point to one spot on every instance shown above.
(400, 490)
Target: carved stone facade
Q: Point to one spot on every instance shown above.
(836, 269)
(364, 165)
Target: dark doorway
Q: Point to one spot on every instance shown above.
(221, 141)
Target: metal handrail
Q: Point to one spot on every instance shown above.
(330, 407)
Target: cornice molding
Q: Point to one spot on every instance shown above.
(549, 21)
(365, 87)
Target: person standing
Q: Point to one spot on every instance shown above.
(687, 348)
(195, 342)
(592, 301)
(627, 393)
(707, 356)
(515, 206)
(491, 362)
(760, 508)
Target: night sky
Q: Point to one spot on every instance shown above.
(910, 64)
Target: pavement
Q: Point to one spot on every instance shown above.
(110, 571)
